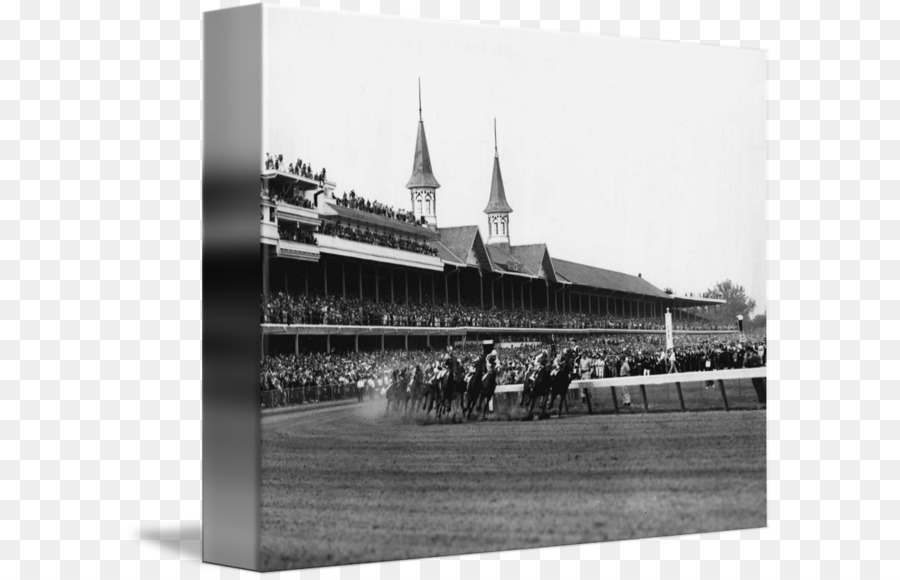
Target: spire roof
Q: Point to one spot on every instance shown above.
(422, 175)
(497, 202)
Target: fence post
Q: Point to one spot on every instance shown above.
(644, 398)
(680, 397)
(612, 391)
(724, 396)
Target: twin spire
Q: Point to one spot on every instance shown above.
(497, 202)
(422, 175)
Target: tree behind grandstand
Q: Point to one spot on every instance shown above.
(736, 300)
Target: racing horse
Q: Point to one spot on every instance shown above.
(560, 379)
(452, 390)
(473, 386)
(528, 387)
(540, 390)
(488, 388)
(398, 392)
(433, 398)
(417, 390)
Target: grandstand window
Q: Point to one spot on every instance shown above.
(428, 204)
(419, 201)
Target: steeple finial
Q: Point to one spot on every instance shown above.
(420, 98)
(496, 152)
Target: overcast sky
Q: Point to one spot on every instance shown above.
(638, 156)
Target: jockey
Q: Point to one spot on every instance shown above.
(492, 362)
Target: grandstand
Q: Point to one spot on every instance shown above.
(356, 251)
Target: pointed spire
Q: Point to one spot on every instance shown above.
(496, 152)
(422, 175)
(497, 202)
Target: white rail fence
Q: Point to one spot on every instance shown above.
(719, 377)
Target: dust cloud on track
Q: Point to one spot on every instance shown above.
(346, 484)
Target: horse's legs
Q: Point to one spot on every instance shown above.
(544, 405)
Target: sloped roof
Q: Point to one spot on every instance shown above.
(530, 255)
(504, 261)
(605, 279)
(422, 176)
(446, 255)
(497, 202)
(458, 241)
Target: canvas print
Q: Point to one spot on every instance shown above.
(513, 289)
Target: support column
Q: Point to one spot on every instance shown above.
(391, 274)
(481, 288)
(493, 303)
(325, 275)
(433, 297)
(382, 343)
(607, 307)
(343, 279)
(356, 343)
(405, 342)
(406, 284)
(446, 288)
(547, 295)
(458, 299)
(376, 282)
(265, 271)
(522, 295)
(296, 345)
(327, 343)
(420, 287)
(359, 271)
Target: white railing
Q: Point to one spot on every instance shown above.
(644, 381)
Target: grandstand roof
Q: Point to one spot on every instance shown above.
(606, 279)
(504, 261)
(535, 258)
(457, 242)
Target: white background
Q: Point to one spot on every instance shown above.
(100, 131)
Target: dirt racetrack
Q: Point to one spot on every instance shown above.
(346, 484)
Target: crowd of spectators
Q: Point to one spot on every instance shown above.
(297, 168)
(596, 357)
(292, 231)
(292, 197)
(360, 203)
(283, 308)
(378, 239)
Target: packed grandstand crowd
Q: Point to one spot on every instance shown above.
(370, 237)
(360, 203)
(293, 232)
(283, 308)
(596, 357)
(300, 168)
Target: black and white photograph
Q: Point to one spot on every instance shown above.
(513, 289)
